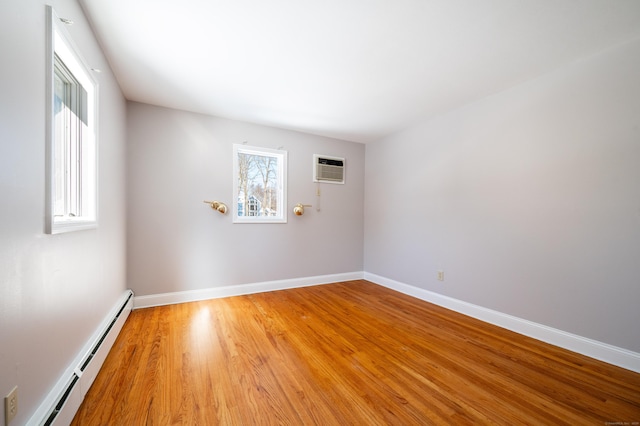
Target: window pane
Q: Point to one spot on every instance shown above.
(70, 111)
(61, 99)
(259, 184)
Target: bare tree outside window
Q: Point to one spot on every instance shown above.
(244, 161)
(259, 185)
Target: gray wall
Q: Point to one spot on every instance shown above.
(177, 159)
(54, 290)
(529, 200)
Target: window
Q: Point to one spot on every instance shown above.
(259, 185)
(71, 135)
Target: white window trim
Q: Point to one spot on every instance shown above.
(59, 42)
(282, 182)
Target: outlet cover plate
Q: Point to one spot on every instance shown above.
(10, 405)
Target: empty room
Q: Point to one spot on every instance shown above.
(320, 213)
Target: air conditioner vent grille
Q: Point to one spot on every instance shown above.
(328, 169)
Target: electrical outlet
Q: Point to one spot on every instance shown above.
(10, 405)
(440, 275)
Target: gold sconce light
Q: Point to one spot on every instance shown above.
(298, 210)
(217, 205)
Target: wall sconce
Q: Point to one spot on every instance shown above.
(217, 205)
(298, 210)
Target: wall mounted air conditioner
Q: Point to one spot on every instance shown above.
(328, 169)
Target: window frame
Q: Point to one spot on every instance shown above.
(281, 184)
(71, 163)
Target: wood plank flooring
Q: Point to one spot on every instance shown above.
(350, 353)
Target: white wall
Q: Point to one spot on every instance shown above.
(529, 200)
(54, 290)
(177, 243)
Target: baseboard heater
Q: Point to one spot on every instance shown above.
(73, 391)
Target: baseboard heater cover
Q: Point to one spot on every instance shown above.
(72, 394)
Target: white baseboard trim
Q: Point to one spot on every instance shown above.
(240, 289)
(592, 348)
(58, 409)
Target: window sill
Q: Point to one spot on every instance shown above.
(70, 225)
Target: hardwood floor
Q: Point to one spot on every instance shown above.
(347, 353)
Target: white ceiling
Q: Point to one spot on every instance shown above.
(351, 69)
